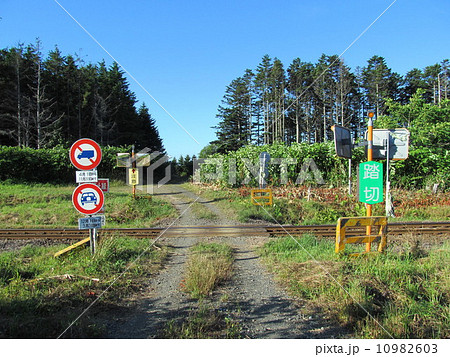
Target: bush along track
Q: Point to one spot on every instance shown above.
(305, 205)
(407, 291)
(41, 295)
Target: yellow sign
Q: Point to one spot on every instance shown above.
(133, 176)
(262, 197)
(342, 237)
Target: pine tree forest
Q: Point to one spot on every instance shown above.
(55, 100)
(300, 103)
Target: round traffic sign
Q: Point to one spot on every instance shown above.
(85, 154)
(88, 198)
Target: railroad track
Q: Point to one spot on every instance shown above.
(326, 230)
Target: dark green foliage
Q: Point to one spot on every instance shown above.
(429, 159)
(303, 102)
(233, 130)
(299, 107)
(46, 102)
(51, 165)
(183, 167)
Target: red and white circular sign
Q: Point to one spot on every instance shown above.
(85, 154)
(88, 198)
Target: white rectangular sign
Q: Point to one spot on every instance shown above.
(102, 216)
(90, 222)
(87, 176)
(398, 143)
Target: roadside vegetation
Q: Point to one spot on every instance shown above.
(406, 290)
(315, 205)
(202, 211)
(50, 206)
(208, 266)
(204, 322)
(41, 295)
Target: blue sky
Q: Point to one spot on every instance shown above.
(185, 53)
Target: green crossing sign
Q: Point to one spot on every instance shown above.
(370, 182)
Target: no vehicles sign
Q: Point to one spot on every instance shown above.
(85, 154)
(88, 198)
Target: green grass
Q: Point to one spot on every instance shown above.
(41, 295)
(407, 290)
(435, 213)
(204, 322)
(240, 208)
(237, 205)
(209, 264)
(202, 212)
(323, 207)
(50, 206)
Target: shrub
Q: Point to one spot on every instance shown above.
(50, 165)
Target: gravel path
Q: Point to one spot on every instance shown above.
(261, 307)
(266, 310)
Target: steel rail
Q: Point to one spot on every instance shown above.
(326, 230)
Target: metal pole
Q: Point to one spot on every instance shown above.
(92, 240)
(349, 176)
(369, 158)
(388, 183)
(133, 165)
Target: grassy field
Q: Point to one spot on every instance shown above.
(41, 295)
(406, 290)
(50, 206)
(300, 205)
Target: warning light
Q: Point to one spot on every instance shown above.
(370, 114)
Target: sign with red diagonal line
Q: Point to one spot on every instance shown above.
(85, 154)
(88, 198)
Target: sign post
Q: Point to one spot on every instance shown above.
(262, 196)
(85, 154)
(264, 159)
(343, 147)
(389, 208)
(369, 158)
(133, 163)
(87, 198)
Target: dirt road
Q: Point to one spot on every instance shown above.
(251, 298)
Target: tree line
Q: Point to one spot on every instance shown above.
(57, 99)
(300, 104)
